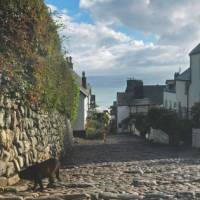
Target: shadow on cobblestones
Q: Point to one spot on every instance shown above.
(121, 148)
(124, 167)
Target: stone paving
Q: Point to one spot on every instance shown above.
(123, 168)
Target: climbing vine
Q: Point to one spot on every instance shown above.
(32, 59)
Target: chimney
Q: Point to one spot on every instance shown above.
(84, 81)
(69, 61)
(176, 74)
(135, 87)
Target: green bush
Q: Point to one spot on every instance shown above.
(185, 131)
(179, 130)
(92, 133)
(141, 123)
(96, 125)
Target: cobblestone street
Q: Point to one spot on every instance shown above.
(124, 167)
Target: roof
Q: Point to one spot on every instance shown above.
(127, 99)
(196, 50)
(185, 76)
(78, 79)
(154, 93)
(170, 81)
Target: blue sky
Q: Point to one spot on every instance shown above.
(82, 16)
(71, 5)
(73, 9)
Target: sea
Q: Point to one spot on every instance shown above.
(106, 87)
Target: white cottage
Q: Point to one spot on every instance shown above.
(85, 102)
(136, 99)
(186, 90)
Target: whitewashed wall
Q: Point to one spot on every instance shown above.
(135, 130)
(181, 95)
(122, 113)
(140, 109)
(79, 123)
(194, 95)
(158, 136)
(170, 100)
(86, 109)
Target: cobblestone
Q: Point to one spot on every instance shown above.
(124, 168)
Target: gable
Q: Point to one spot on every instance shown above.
(196, 50)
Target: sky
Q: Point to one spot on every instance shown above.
(144, 39)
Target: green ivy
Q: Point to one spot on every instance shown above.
(32, 58)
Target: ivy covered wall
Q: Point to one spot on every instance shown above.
(31, 56)
(38, 93)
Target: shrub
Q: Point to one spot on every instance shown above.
(141, 123)
(92, 133)
(168, 121)
(96, 125)
(161, 118)
(185, 131)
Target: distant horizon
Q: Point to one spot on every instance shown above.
(106, 87)
(146, 82)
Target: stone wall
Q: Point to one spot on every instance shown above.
(27, 135)
(158, 136)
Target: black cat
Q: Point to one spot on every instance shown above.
(39, 171)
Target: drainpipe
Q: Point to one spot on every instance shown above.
(188, 87)
(187, 111)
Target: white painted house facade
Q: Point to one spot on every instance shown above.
(81, 120)
(186, 87)
(79, 124)
(136, 99)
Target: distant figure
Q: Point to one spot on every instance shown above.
(104, 135)
(39, 171)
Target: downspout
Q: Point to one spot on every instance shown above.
(187, 111)
(188, 87)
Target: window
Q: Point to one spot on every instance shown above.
(175, 105)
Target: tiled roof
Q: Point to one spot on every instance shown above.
(196, 50)
(152, 95)
(127, 99)
(185, 76)
(154, 92)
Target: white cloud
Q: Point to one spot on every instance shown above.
(99, 49)
(163, 18)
